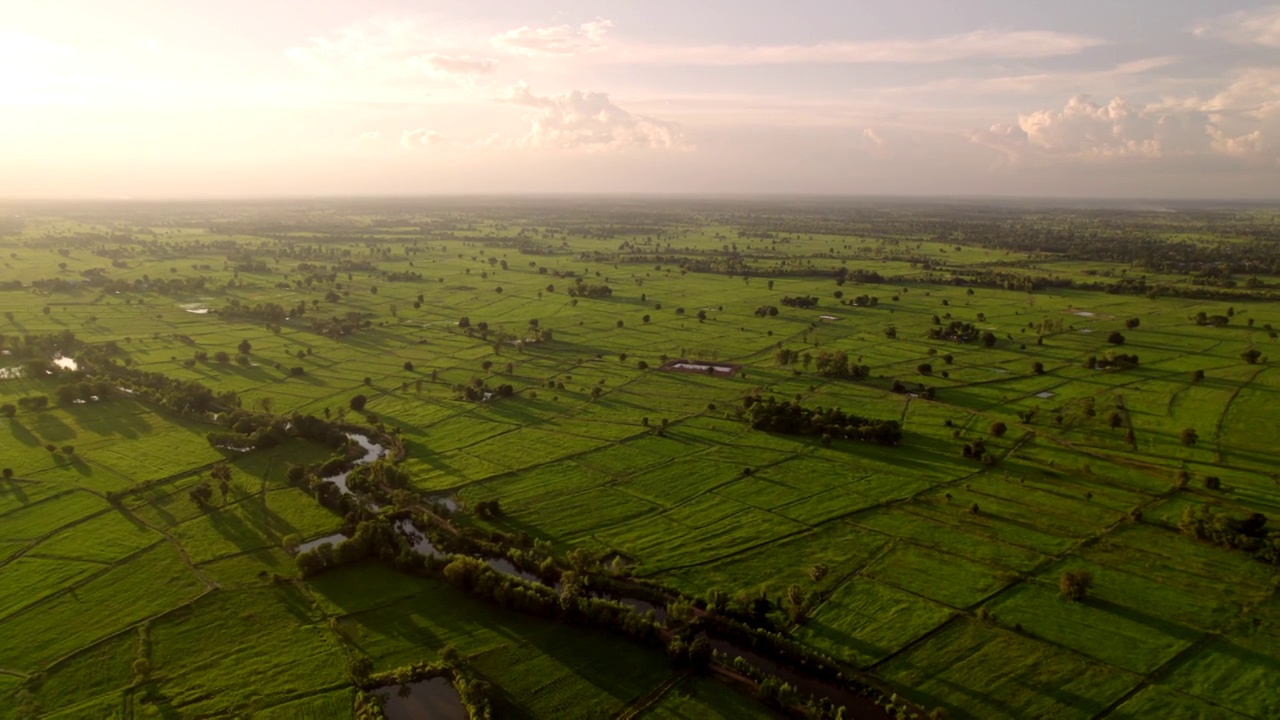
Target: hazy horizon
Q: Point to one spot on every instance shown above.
(284, 99)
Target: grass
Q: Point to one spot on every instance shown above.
(707, 504)
(866, 621)
(697, 698)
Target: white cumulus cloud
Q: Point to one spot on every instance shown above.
(583, 119)
(420, 137)
(369, 137)
(554, 40)
(1241, 122)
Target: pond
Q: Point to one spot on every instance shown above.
(334, 539)
(418, 540)
(434, 699)
(372, 451)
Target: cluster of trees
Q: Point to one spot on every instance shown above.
(378, 478)
(767, 311)
(251, 431)
(844, 274)
(1111, 360)
(84, 391)
(579, 288)
(790, 418)
(977, 450)
(787, 356)
(800, 301)
(478, 391)
(30, 403)
(1203, 319)
(262, 312)
(1249, 535)
(955, 331)
(336, 326)
(37, 347)
(837, 364)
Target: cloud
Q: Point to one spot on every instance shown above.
(363, 46)
(979, 44)
(420, 137)
(554, 40)
(370, 137)
(464, 67)
(1131, 72)
(1260, 26)
(1241, 122)
(1086, 130)
(590, 120)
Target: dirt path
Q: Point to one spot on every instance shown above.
(637, 707)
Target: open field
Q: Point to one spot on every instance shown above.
(122, 596)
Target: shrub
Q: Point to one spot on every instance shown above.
(1074, 584)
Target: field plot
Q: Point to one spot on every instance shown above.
(897, 429)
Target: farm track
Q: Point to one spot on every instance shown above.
(133, 627)
(636, 707)
(70, 589)
(1226, 408)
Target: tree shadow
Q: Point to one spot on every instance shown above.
(23, 435)
(52, 428)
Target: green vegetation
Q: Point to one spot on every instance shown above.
(916, 440)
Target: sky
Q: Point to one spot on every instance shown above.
(251, 98)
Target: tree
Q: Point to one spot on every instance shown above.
(408, 366)
(358, 402)
(1188, 436)
(1114, 419)
(1197, 376)
(924, 369)
(1037, 367)
(1132, 323)
(998, 429)
(1115, 338)
(890, 332)
(8, 473)
(8, 410)
(244, 347)
(989, 338)
(818, 572)
(222, 473)
(1075, 584)
(201, 494)
(1251, 356)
